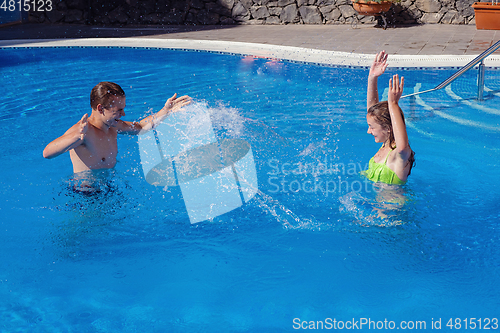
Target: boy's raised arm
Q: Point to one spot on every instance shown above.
(172, 105)
(71, 139)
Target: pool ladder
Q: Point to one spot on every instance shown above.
(480, 76)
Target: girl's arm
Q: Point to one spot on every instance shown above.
(378, 68)
(398, 125)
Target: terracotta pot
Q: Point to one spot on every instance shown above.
(487, 15)
(371, 7)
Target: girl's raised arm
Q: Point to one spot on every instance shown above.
(377, 68)
(398, 125)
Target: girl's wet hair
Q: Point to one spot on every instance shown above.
(103, 93)
(380, 112)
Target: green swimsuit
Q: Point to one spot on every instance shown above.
(380, 172)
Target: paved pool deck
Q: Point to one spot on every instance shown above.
(429, 41)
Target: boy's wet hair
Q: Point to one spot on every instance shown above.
(103, 94)
(380, 112)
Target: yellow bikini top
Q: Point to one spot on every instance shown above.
(380, 172)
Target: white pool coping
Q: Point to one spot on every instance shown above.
(259, 50)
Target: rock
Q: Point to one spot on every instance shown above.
(430, 18)
(347, 11)
(407, 18)
(289, 14)
(55, 16)
(310, 15)
(144, 6)
(247, 3)
(39, 19)
(229, 4)
(326, 9)
(73, 15)
(273, 20)
(102, 20)
(218, 8)
(76, 4)
(275, 11)
(208, 18)
(253, 22)
(415, 12)
(459, 20)
(132, 3)
(325, 2)
(248, 12)
(239, 10)
(118, 15)
(173, 18)
(62, 6)
(283, 3)
(151, 18)
(259, 12)
(227, 21)
(198, 4)
(464, 7)
(191, 17)
(242, 19)
(428, 6)
(334, 15)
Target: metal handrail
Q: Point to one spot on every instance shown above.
(478, 59)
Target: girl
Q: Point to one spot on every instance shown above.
(393, 162)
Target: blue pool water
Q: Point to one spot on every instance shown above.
(128, 259)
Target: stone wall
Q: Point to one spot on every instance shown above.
(214, 12)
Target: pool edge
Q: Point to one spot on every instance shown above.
(292, 53)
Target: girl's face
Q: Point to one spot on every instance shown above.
(380, 134)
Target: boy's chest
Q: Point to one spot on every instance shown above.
(103, 147)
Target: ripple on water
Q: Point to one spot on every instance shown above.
(280, 252)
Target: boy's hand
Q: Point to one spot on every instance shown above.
(379, 64)
(84, 125)
(395, 89)
(174, 104)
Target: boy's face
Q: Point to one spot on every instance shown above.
(113, 112)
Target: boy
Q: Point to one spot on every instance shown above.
(91, 142)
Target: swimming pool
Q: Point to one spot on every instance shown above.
(128, 259)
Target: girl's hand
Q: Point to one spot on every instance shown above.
(379, 64)
(395, 89)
